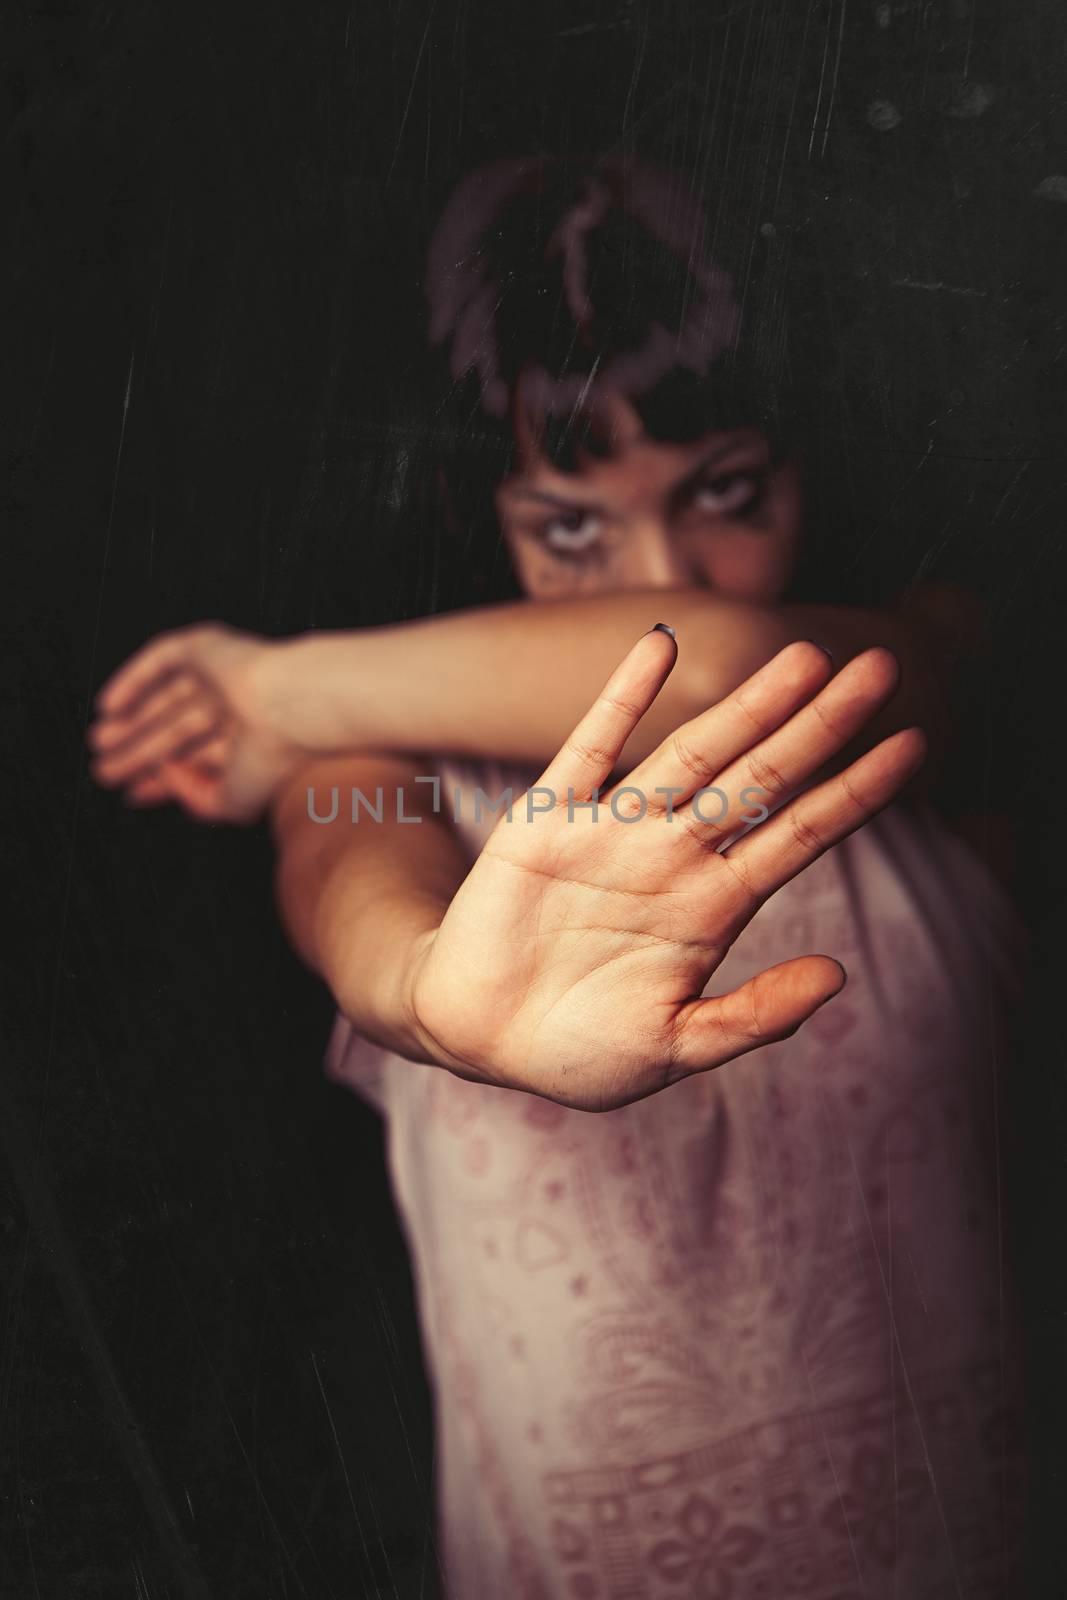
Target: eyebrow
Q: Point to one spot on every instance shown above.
(545, 497)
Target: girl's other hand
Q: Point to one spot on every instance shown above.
(190, 718)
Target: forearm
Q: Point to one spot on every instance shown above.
(512, 681)
(509, 681)
(359, 900)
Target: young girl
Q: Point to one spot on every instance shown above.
(747, 1332)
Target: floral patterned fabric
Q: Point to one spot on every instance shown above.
(753, 1336)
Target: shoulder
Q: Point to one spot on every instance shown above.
(990, 836)
(951, 612)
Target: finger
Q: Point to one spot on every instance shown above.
(170, 693)
(158, 657)
(821, 817)
(213, 753)
(181, 735)
(769, 1007)
(772, 769)
(147, 792)
(155, 787)
(706, 744)
(593, 749)
(197, 789)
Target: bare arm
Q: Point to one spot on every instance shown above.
(571, 960)
(358, 899)
(218, 719)
(510, 681)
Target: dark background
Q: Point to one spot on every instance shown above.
(209, 1376)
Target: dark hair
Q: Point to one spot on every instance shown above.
(548, 280)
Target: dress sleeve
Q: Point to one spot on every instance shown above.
(356, 1062)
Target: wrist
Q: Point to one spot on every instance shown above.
(309, 692)
(416, 1040)
(382, 1003)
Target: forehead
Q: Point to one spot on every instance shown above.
(635, 462)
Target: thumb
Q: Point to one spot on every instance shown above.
(769, 1007)
(196, 789)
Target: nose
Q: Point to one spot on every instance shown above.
(656, 559)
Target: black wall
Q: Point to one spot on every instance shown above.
(209, 1377)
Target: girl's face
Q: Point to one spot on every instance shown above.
(714, 514)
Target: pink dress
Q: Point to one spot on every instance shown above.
(753, 1336)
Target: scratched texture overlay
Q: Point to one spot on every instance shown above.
(210, 1379)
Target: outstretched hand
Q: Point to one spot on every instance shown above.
(572, 961)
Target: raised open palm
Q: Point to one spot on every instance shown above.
(572, 960)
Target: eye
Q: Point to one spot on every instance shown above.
(572, 532)
(734, 491)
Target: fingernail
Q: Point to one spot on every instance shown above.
(824, 648)
(662, 627)
(844, 975)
